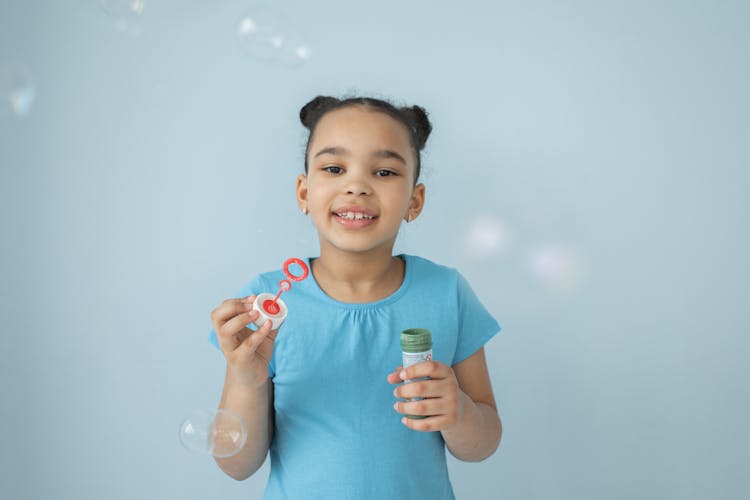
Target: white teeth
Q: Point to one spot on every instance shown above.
(354, 216)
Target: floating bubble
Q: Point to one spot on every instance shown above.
(125, 14)
(17, 89)
(488, 235)
(267, 35)
(260, 34)
(555, 266)
(528, 255)
(122, 9)
(220, 433)
(294, 49)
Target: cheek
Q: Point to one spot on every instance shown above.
(318, 198)
(402, 197)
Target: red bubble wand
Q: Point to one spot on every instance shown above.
(272, 306)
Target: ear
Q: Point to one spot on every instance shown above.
(302, 191)
(416, 202)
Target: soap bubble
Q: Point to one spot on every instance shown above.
(125, 13)
(267, 35)
(488, 235)
(122, 9)
(17, 91)
(260, 35)
(294, 49)
(555, 266)
(530, 257)
(220, 433)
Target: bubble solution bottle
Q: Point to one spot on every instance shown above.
(416, 347)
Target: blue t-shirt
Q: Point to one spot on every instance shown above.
(336, 434)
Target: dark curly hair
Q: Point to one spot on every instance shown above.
(413, 117)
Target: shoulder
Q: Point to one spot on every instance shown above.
(423, 264)
(434, 276)
(426, 271)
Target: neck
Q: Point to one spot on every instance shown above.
(358, 277)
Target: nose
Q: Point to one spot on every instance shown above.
(357, 190)
(357, 185)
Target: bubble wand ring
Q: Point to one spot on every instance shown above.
(301, 264)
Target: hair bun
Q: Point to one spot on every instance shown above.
(310, 112)
(420, 124)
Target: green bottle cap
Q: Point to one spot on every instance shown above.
(416, 340)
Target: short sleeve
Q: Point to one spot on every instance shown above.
(476, 325)
(255, 287)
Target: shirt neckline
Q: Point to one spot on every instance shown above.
(408, 265)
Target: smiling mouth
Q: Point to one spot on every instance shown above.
(354, 216)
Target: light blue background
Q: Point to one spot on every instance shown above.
(154, 177)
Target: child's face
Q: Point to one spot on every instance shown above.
(360, 180)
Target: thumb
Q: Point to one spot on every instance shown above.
(254, 339)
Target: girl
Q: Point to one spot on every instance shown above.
(316, 392)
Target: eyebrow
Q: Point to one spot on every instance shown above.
(381, 153)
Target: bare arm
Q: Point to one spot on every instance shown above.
(248, 390)
(476, 435)
(255, 406)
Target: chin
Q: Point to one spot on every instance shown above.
(362, 248)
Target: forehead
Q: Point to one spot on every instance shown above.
(362, 130)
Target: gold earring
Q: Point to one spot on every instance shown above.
(305, 211)
(408, 217)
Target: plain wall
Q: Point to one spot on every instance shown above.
(154, 174)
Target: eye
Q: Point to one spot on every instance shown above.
(385, 173)
(332, 169)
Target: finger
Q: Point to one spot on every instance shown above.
(238, 338)
(260, 344)
(424, 407)
(432, 369)
(423, 389)
(257, 337)
(429, 424)
(267, 344)
(229, 309)
(393, 377)
(235, 331)
(273, 333)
